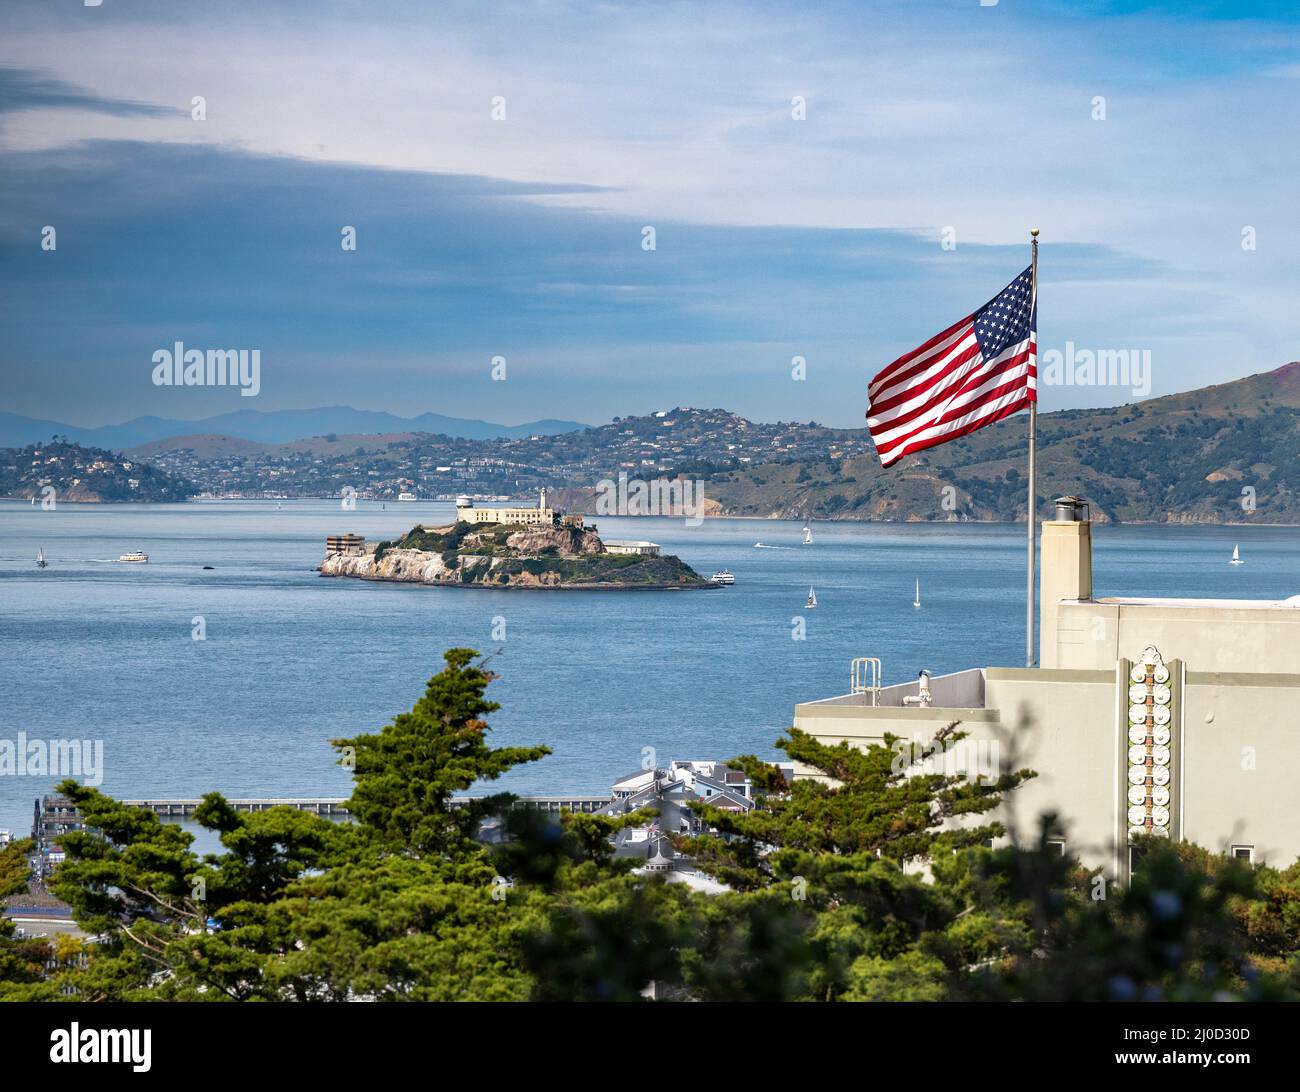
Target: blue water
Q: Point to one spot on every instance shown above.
(94, 649)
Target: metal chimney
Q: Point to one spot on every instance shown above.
(1071, 510)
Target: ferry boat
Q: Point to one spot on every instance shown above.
(724, 577)
(406, 497)
(135, 557)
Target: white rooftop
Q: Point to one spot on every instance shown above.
(1212, 604)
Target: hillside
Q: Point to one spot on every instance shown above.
(1190, 457)
(85, 474)
(1201, 456)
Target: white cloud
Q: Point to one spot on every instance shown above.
(918, 117)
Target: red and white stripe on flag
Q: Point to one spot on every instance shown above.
(946, 389)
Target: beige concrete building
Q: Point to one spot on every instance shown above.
(345, 544)
(1170, 717)
(468, 512)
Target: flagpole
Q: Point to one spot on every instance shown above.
(1032, 519)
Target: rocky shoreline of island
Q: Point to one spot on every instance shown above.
(557, 557)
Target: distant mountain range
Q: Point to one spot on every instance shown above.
(271, 427)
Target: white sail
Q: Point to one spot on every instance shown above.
(1236, 556)
(917, 601)
(807, 534)
(812, 598)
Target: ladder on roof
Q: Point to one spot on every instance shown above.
(864, 677)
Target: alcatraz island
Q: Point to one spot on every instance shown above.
(494, 547)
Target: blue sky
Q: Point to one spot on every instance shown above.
(522, 237)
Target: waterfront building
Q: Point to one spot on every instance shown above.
(468, 512)
(639, 547)
(345, 544)
(1172, 718)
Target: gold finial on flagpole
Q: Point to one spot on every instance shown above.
(1034, 232)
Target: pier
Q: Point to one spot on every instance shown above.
(56, 815)
(187, 807)
(554, 804)
(332, 807)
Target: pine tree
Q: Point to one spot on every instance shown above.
(407, 774)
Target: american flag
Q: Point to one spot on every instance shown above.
(977, 371)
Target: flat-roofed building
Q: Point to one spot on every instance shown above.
(1172, 718)
(469, 512)
(345, 544)
(640, 547)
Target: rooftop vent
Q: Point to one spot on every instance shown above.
(1071, 510)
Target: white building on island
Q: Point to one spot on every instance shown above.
(638, 547)
(468, 512)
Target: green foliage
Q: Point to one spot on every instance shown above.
(870, 883)
(881, 805)
(13, 867)
(550, 564)
(407, 774)
(1179, 932)
(22, 961)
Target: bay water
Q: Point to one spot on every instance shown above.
(94, 649)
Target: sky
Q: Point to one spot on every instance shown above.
(1153, 144)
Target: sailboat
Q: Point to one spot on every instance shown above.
(807, 534)
(917, 601)
(40, 557)
(812, 599)
(1236, 556)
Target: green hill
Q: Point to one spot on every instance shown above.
(1223, 454)
(79, 473)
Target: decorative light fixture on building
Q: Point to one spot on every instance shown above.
(1149, 756)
